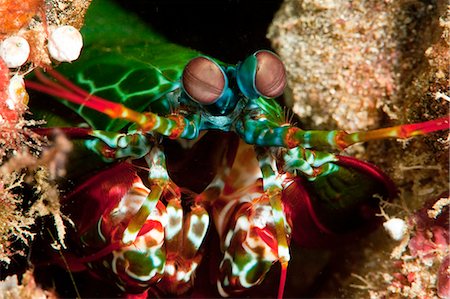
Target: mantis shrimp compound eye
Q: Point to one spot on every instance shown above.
(270, 77)
(203, 80)
(261, 74)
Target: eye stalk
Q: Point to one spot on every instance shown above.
(203, 80)
(262, 74)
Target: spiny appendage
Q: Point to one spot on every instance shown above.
(173, 127)
(272, 184)
(159, 179)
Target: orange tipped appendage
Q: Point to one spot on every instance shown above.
(401, 131)
(283, 275)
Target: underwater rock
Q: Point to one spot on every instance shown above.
(360, 65)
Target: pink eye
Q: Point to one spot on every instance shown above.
(270, 78)
(203, 80)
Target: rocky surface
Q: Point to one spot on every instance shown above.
(362, 65)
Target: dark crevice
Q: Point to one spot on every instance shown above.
(228, 30)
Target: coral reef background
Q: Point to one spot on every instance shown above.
(368, 64)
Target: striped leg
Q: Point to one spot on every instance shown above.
(311, 164)
(140, 264)
(272, 184)
(340, 140)
(261, 132)
(159, 180)
(109, 145)
(112, 146)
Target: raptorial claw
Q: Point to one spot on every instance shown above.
(248, 236)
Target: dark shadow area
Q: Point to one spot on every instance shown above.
(225, 29)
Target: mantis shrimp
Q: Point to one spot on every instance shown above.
(143, 231)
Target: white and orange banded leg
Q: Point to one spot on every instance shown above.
(159, 180)
(141, 263)
(272, 185)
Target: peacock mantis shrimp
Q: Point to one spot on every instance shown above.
(136, 90)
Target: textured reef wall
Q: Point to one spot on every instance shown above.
(29, 163)
(367, 64)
